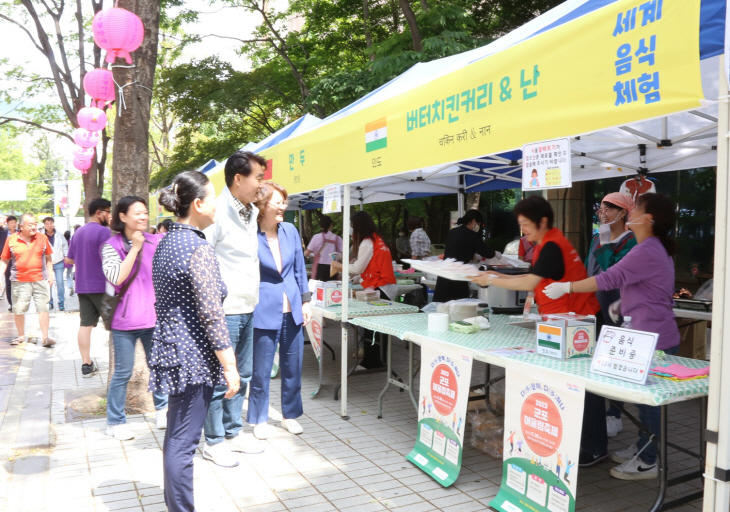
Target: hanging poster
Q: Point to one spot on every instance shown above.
(60, 198)
(542, 427)
(332, 199)
(546, 165)
(445, 379)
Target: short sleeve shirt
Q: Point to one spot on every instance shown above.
(27, 263)
(85, 251)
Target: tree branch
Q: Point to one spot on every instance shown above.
(6, 120)
(268, 40)
(35, 43)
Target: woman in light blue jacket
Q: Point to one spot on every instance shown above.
(282, 310)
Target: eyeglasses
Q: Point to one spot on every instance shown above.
(106, 211)
(604, 211)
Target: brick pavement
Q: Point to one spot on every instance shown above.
(355, 465)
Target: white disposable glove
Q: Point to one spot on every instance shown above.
(497, 254)
(614, 311)
(557, 290)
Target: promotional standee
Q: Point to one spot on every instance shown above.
(542, 427)
(445, 379)
(314, 331)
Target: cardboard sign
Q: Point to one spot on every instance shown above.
(332, 199)
(445, 380)
(624, 354)
(542, 429)
(546, 165)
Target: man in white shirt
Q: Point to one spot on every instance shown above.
(60, 251)
(234, 239)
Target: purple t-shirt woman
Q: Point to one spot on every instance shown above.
(645, 278)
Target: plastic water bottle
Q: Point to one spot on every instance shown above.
(627, 322)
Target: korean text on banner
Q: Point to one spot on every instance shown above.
(445, 379)
(628, 61)
(542, 428)
(546, 165)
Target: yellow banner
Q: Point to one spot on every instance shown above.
(631, 60)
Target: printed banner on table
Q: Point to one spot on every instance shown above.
(625, 62)
(542, 427)
(546, 165)
(445, 379)
(314, 332)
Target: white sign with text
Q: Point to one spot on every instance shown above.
(332, 199)
(624, 354)
(546, 165)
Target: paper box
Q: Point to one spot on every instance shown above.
(328, 294)
(566, 336)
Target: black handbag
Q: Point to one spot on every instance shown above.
(109, 303)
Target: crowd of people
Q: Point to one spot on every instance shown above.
(226, 258)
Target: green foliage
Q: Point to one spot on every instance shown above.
(315, 56)
(14, 165)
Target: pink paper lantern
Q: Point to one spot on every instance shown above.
(86, 139)
(82, 165)
(92, 119)
(99, 84)
(84, 153)
(117, 31)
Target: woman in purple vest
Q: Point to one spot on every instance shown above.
(127, 261)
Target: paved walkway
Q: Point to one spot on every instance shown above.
(49, 462)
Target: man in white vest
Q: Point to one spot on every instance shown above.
(234, 239)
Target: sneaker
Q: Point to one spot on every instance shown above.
(89, 370)
(61, 308)
(120, 432)
(246, 443)
(292, 426)
(614, 425)
(625, 455)
(49, 342)
(161, 419)
(50, 306)
(220, 454)
(264, 431)
(586, 459)
(635, 469)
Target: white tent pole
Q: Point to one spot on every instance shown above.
(345, 299)
(717, 493)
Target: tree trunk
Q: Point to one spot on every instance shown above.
(424, 5)
(366, 21)
(130, 171)
(412, 24)
(307, 226)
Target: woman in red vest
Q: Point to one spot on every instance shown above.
(374, 263)
(555, 260)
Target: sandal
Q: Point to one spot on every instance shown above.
(49, 342)
(18, 340)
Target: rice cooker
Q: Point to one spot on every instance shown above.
(504, 302)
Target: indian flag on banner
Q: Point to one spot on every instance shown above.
(376, 135)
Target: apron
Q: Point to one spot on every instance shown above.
(319, 253)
